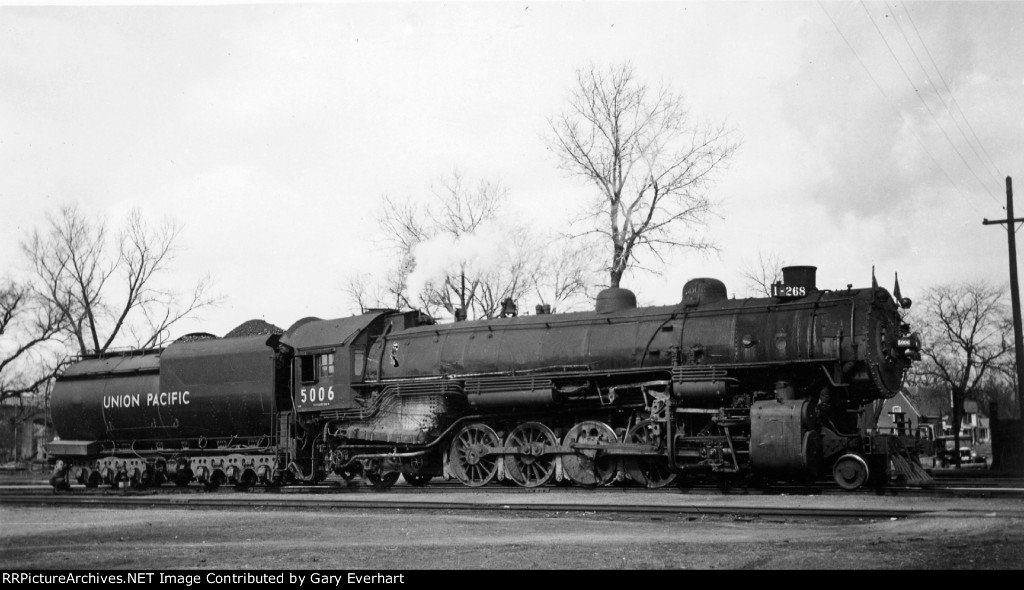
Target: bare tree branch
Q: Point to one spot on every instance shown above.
(761, 274)
(30, 350)
(966, 336)
(105, 294)
(652, 167)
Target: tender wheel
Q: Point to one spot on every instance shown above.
(652, 472)
(127, 480)
(417, 479)
(382, 481)
(59, 477)
(183, 477)
(589, 467)
(850, 472)
(531, 465)
(247, 481)
(468, 458)
(217, 479)
(60, 483)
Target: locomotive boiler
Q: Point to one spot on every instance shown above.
(786, 387)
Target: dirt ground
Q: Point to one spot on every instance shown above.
(163, 539)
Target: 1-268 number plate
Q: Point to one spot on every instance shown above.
(780, 290)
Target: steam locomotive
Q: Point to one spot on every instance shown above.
(780, 388)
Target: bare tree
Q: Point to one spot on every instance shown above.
(30, 351)
(403, 223)
(105, 293)
(652, 166)
(512, 278)
(456, 250)
(763, 273)
(368, 293)
(458, 208)
(563, 274)
(455, 209)
(999, 390)
(966, 335)
(1005, 383)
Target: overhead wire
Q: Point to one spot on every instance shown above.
(938, 93)
(894, 107)
(950, 91)
(924, 102)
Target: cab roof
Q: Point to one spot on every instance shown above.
(311, 333)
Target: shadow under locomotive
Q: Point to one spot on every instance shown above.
(782, 388)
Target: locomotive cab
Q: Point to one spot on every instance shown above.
(333, 357)
(330, 355)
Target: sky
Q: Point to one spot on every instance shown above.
(874, 135)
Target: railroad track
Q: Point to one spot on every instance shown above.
(778, 502)
(333, 503)
(697, 502)
(944, 487)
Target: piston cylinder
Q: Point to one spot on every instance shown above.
(782, 443)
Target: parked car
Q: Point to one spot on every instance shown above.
(968, 458)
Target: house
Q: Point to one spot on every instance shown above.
(24, 428)
(900, 413)
(974, 426)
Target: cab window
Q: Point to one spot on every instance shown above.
(325, 363)
(358, 361)
(307, 366)
(314, 367)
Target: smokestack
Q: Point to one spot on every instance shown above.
(800, 276)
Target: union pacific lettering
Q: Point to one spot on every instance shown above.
(163, 398)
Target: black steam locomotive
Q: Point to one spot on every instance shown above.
(787, 387)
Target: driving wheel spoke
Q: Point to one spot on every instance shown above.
(467, 457)
(528, 465)
(653, 472)
(587, 466)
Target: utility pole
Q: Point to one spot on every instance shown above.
(1018, 339)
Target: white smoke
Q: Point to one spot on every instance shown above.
(476, 254)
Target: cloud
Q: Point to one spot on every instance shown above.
(272, 130)
(880, 147)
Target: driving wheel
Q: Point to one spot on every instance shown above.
(652, 472)
(531, 463)
(588, 466)
(470, 457)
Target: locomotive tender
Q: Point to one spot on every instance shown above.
(778, 388)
